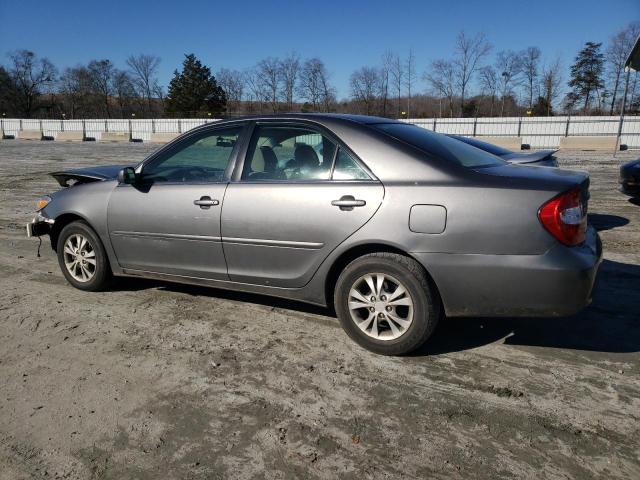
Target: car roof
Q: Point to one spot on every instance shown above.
(317, 117)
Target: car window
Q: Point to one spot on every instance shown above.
(440, 146)
(347, 168)
(288, 153)
(202, 158)
(487, 147)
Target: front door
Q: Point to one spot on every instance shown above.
(169, 220)
(300, 195)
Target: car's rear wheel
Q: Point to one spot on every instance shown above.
(82, 258)
(386, 303)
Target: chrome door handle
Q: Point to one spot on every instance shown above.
(206, 202)
(347, 202)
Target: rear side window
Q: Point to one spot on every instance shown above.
(347, 168)
(439, 145)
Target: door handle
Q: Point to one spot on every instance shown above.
(206, 202)
(347, 202)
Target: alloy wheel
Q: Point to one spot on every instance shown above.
(381, 306)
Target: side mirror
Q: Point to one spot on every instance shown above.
(127, 175)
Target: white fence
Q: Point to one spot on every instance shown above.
(140, 129)
(538, 132)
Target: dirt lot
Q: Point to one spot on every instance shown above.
(153, 380)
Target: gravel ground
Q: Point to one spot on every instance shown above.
(153, 380)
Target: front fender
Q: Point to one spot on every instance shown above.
(88, 202)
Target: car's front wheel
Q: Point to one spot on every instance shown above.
(82, 258)
(386, 303)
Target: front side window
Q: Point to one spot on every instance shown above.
(288, 153)
(201, 159)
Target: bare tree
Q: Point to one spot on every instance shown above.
(144, 69)
(314, 86)
(508, 68)
(101, 80)
(124, 89)
(289, 71)
(75, 86)
(530, 63)
(385, 76)
(365, 85)
(233, 83)
(409, 77)
(31, 75)
(255, 89)
(619, 47)
(551, 83)
(469, 53)
(269, 76)
(489, 85)
(441, 76)
(396, 69)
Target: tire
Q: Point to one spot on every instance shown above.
(88, 276)
(419, 302)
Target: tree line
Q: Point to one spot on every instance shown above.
(474, 81)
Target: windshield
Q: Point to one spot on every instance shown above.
(439, 145)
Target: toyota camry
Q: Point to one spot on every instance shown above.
(392, 225)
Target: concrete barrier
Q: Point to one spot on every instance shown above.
(510, 143)
(70, 137)
(30, 135)
(588, 143)
(162, 137)
(115, 137)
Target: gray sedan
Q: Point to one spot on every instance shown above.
(392, 225)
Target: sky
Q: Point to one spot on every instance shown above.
(346, 35)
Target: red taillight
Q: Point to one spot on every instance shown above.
(565, 217)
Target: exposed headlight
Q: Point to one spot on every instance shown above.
(43, 202)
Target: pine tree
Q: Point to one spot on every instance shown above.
(195, 91)
(586, 74)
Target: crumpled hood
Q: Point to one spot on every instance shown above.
(87, 174)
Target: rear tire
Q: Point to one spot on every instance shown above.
(82, 257)
(386, 303)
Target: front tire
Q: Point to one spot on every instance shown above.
(386, 303)
(82, 257)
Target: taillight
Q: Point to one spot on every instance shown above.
(565, 217)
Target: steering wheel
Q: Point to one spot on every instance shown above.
(194, 173)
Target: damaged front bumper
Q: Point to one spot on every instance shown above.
(40, 225)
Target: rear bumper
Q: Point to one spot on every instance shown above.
(556, 283)
(40, 225)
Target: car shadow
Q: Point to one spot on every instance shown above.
(610, 324)
(137, 284)
(635, 201)
(601, 221)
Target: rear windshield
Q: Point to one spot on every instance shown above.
(487, 147)
(439, 145)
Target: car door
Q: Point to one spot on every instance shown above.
(168, 221)
(299, 195)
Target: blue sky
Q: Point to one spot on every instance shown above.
(345, 34)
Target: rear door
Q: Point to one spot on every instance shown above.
(300, 194)
(169, 221)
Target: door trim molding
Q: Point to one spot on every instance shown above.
(273, 243)
(168, 236)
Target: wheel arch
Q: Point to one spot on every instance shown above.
(62, 221)
(360, 250)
